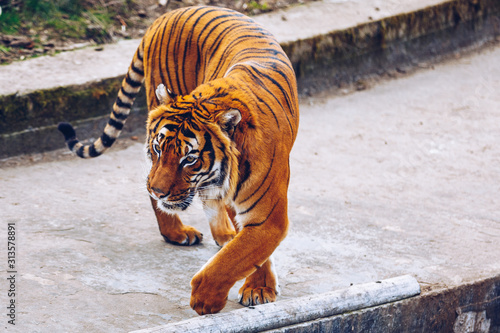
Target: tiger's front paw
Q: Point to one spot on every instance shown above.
(249, 296)
(260, 287)
(185, 236)
(206, 296)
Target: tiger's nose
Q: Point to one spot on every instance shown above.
(159, 193)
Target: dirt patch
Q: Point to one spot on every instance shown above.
(29, 29)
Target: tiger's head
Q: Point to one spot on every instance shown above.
(189, 149)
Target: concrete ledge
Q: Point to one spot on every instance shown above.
(28, 123)
(472, 307)
(299, 310)
(341, 57)
(396, 43)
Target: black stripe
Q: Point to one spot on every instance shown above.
(154, 40)
(210, 33)
(242, 24)
(107, 141)
(122, 104)
(206, 114)
(198, 72)
(256, 79)
(93, 152)
(274, 67)
(137, 70)
(276, 98)
(173, 37)
(209, 182)
(161, 58)
(223, 172)
(71, 143)
(180, 65)
(131, 82)
(229, 48)
(263, 102)
(220, 37)
(276, 83)
(265, 220)
(257, 201)
(155, 127)
(138, 53)
(199, 175)
(188, 133)
(121, 116)
(221, 34)
(187, 43)
(171, 127)
(265, 54)
(263, 180)
(208, 148)
(245, 172)
(129, 95)
(79, 152)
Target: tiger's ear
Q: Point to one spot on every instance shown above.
(163, 94)
(229, 120)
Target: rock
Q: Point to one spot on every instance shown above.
(360, 85)
(22, 42)
(49, 45)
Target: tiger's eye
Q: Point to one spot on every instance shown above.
(156, 148)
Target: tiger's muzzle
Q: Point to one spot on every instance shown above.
(169, 203)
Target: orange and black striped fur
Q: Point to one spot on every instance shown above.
(223, 118)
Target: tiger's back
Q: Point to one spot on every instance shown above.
(190, 47)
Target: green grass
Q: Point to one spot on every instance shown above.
(9, 22)
(264, 7)
(4, 49)
(64, 28)
(59, 18)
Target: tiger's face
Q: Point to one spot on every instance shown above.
(190, 153)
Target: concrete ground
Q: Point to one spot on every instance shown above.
(402, 178)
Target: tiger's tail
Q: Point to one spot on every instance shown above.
(131, 85)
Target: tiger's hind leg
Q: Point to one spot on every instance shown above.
(172, 229)
(260, 287)
(220, 220)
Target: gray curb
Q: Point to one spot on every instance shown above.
(398, 43)
(471, 307)
(299, 310)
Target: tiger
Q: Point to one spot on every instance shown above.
(223, 117)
